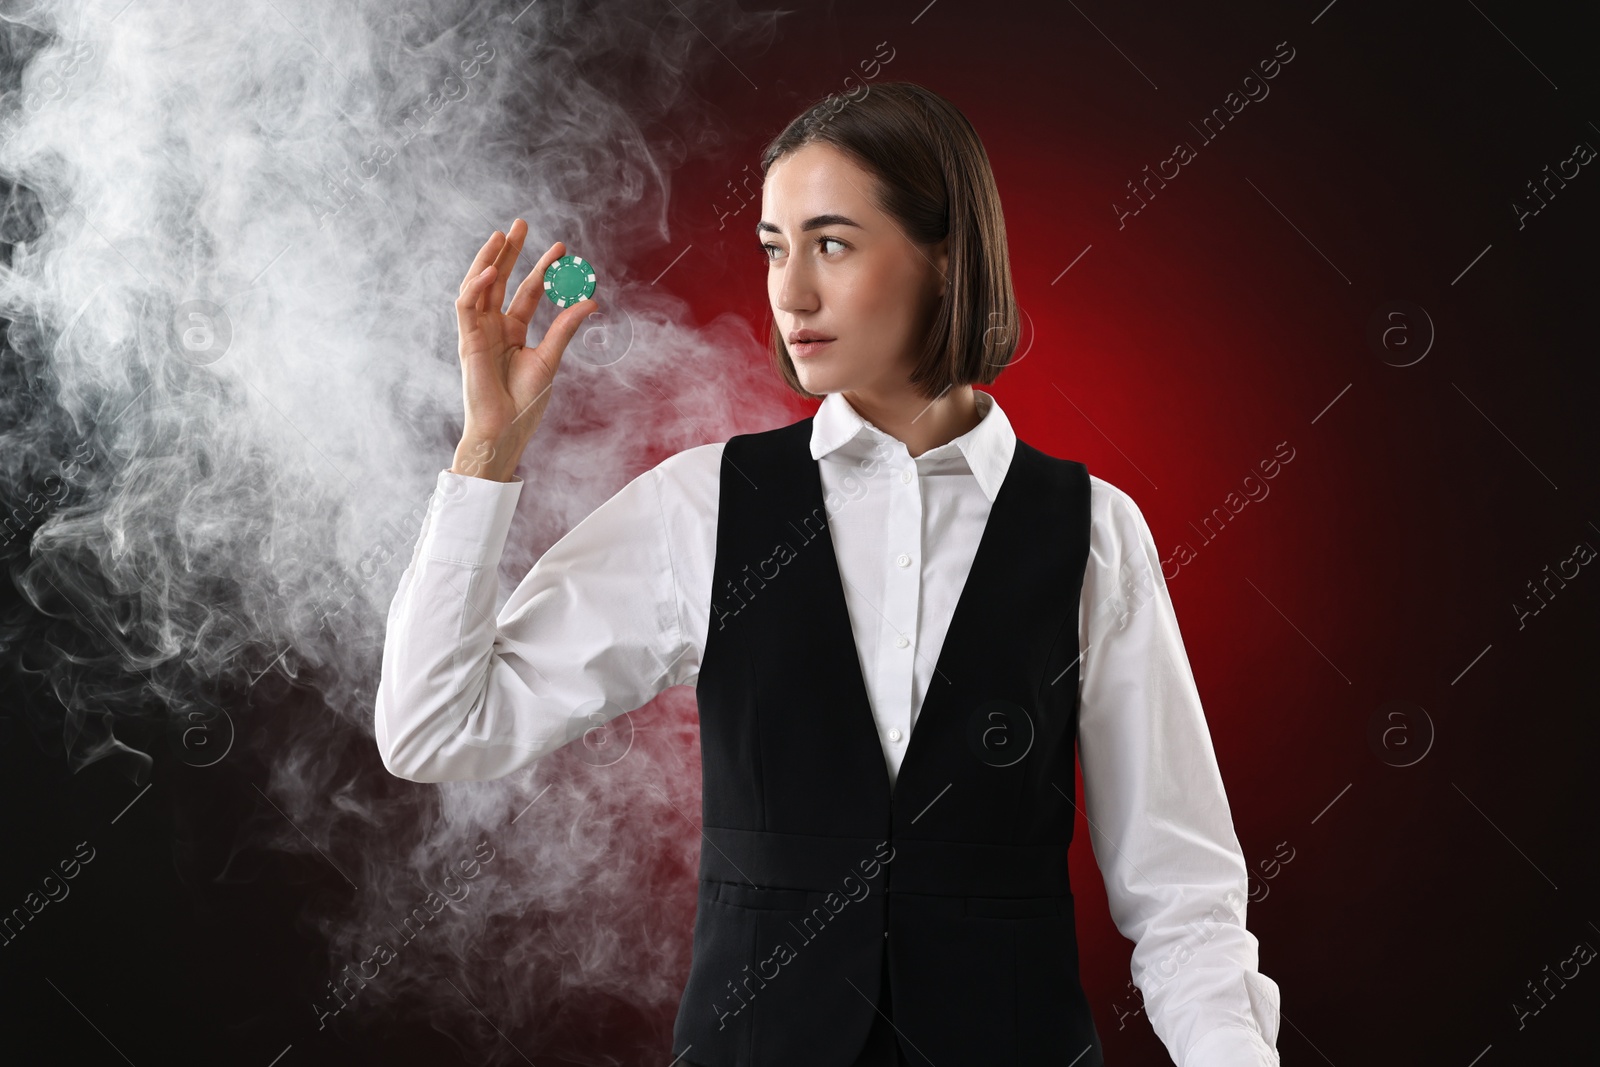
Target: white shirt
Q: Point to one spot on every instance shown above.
(619, 608)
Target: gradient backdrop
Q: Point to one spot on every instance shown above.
(231, 239)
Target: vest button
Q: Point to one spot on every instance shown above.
(903, 559)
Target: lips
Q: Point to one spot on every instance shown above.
(809, 348)
(808, 342)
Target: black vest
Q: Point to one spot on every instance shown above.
(810, 861)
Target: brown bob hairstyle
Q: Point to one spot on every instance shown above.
(934, 180)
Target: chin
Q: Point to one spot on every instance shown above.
(814, 380)
(821, 384)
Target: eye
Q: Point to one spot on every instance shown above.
(768, 249)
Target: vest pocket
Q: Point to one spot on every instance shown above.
(761, 898)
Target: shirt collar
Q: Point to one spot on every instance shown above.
(985, 450)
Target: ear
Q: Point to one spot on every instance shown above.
(941, 261)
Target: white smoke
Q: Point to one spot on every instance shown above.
(233, 236)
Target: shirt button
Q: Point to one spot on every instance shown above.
(894, 734)
(903, 559)
(901, 642)
(905, 476)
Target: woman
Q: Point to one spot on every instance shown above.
(885, 610)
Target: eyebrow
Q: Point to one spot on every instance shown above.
(816, 222)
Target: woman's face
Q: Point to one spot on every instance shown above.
(842, 268)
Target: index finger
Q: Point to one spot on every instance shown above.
(526, 298)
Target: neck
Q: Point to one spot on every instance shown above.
(915, 421)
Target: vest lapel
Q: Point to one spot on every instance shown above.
(990, 570)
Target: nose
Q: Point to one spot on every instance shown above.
(797, 291)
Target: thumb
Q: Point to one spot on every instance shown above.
(566, 325)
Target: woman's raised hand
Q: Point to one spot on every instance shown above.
(505, 385)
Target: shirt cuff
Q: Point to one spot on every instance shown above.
(469, 518)
(1231, 1046)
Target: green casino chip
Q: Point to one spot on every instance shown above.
(569, 280)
